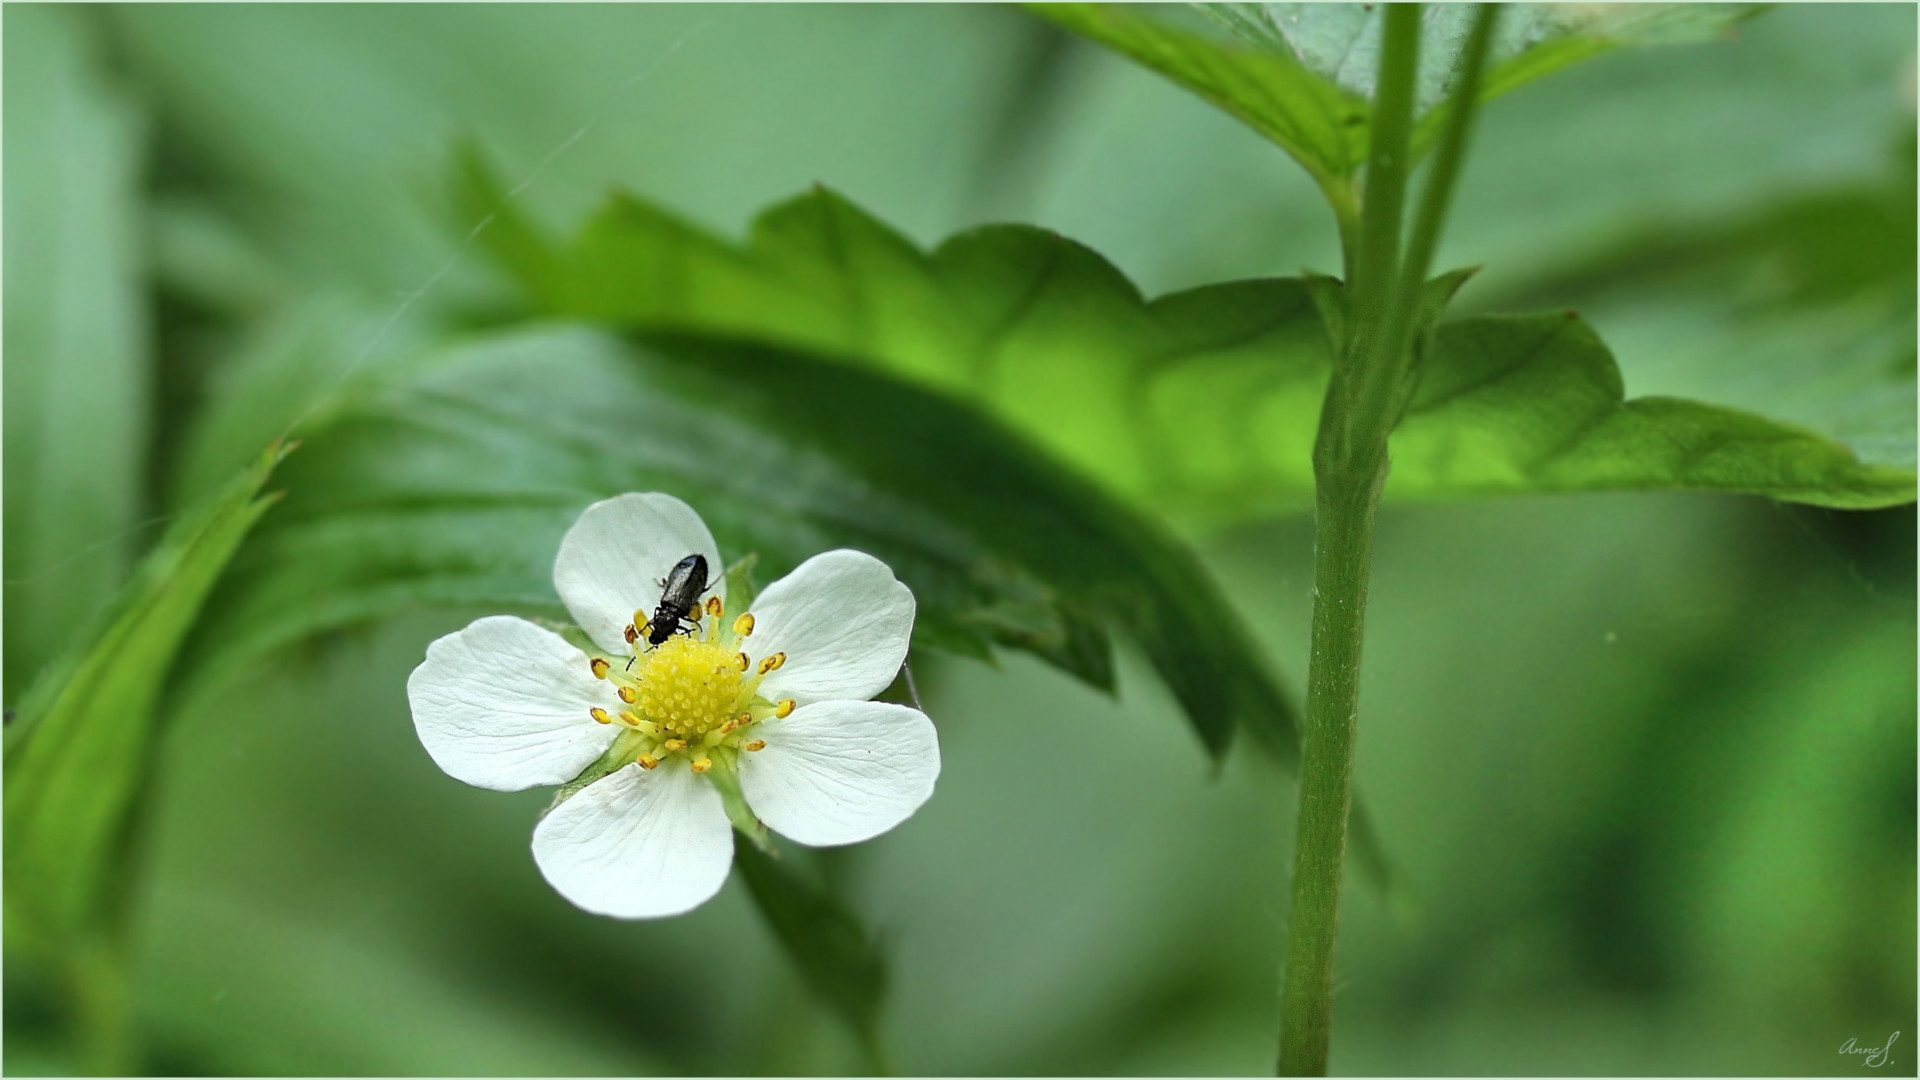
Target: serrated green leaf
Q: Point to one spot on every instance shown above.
(1516, 404)
(77, 384)
(453, 486)
(1202, 403)
(1302, 74)
(82, 745)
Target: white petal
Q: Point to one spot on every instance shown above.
(504, 704)
(841, 771)
(638, 844)
(843, 622)
(612, 561)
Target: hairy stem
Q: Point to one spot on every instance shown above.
(1372, 377)
(1343, 551)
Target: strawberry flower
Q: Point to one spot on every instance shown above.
(736, 719)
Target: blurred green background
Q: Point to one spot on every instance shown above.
(1644, 763)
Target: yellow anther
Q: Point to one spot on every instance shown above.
(674, 746)
(744, 624)
(772, 663)
(632, 634)
(715, 608)
(784, 709)
(628, 694)
(647, 761)
(600, 715)
(757, 744)
(703, 765)
(630, 718)
(599, 667)
(743, 661)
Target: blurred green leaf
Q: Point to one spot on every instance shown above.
(1302, 74)
(453, 485)
(1734, 308)
(834, 952)
(82, 746)
(1204, 402)
(77, 383)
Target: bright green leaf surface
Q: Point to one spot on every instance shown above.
(82, 746)
(453, 487)
(1203, 402)
(76, 383)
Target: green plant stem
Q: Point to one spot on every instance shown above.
(1350, 421)
(1370, 384)
(1449, 154)
(1350, 466)
(1343, 196)
(1343, 552)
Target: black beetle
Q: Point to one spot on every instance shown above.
(679, 598)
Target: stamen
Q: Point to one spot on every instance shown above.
(703, 765)
(631, 633)
(784, 709)
(772, 663)
(628, 694)
(715, 608)
(744, 624)
(757, 744)
(744, 661)
(647, 761)
(600, 715)
(674, 746)
(631, 719)
(599, 667)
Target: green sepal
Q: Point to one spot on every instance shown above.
(725, 775)
(625, 747)
(740, 589)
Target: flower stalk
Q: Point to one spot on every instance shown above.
(1372, 380)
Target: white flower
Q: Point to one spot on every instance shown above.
(765, 710)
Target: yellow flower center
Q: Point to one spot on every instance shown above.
(695, 693)
(690, 687)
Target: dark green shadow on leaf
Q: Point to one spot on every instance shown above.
(452, 487)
